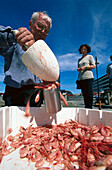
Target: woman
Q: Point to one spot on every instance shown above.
(85, 65)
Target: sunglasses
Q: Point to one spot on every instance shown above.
(42, 27)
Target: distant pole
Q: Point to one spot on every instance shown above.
(59, 79)
(99, 102)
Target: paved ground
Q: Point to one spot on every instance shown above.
(77, 102)
(1, 102)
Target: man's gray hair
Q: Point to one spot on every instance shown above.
(35, 15)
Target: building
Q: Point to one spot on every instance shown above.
(101, 85)
(102, 82)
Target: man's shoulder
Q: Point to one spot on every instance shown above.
(5, 29)
(109, 65)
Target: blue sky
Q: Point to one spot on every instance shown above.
(74, 22)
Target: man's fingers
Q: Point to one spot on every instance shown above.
(25, 37)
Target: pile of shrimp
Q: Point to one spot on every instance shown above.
(65, 144)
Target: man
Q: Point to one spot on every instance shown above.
(18, 78)
(109, 74)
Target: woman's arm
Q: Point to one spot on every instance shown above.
(86, 68)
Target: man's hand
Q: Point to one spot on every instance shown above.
(24, 37)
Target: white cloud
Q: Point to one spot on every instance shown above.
(68, 62)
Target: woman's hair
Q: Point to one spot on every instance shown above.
(111, 57)
(35, 15)
(85, 45)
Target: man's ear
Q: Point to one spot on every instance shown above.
(30, 22)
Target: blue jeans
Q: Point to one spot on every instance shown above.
(87, 91)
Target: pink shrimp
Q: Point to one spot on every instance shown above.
(44, 85)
